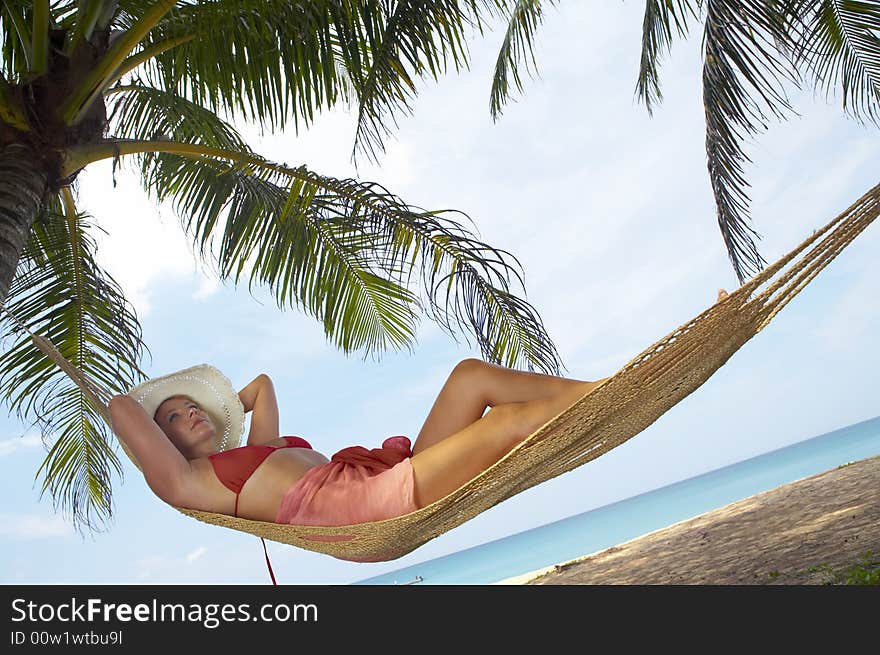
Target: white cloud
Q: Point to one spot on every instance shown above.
(208, 286)
(194, 567)
(325, 146)
(33, 526)
(9, 446)
(149, 565)
(196, 554)
(141, 244)
(163, 567)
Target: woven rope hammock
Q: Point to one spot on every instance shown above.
(620, 408)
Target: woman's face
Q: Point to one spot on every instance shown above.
(187, 426)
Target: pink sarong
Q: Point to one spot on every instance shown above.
(357, 485)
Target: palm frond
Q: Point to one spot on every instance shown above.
(268, 60)
(841, 45)
(742, 79)
(410, 38)
(60, 293)
(65, 14)
(15, 37)
(140, 112)
(345, 252)
(40, 37)
(262, 60)
(660, 17)
(516, 49)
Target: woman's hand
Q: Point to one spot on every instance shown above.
(259, 397)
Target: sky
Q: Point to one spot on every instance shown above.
(610, 212)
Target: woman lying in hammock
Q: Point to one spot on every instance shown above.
(178, 428)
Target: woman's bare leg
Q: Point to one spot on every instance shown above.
(452, 461)
(457, 442)
(475, 385)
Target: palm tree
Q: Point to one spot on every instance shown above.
(142, 81)
(753, 50)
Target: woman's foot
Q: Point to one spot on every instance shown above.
(722, 294)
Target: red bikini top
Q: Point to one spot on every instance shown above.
(233, 467)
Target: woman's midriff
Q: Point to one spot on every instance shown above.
(262, 493)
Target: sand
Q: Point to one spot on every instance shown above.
(792, 535)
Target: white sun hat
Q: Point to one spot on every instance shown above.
(212, 390)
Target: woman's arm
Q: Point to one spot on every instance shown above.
(259, 397)
(166, 470)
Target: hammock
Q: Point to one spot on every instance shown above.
(621, 407)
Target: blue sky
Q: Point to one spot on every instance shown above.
(610, 213)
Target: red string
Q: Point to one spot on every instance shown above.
(268, 563)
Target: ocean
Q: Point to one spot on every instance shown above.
(612, 524)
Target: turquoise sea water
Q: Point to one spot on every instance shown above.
(618, 522)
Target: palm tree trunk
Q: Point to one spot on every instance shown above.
(23, 184)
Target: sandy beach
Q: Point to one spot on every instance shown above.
(795, 534)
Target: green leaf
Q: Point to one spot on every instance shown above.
(137, 111)
(660, 16)
(840, 45)
(345, 251)
(61, 294)
(407, 38)
(15, 38)
(40, 35)
(267, 60)
(258, 60)
(516, 50)
(743, 74)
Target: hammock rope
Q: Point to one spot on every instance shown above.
(621, 407)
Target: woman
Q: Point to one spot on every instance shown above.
(178, 429)
(178, 451)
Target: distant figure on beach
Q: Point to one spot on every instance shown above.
(181, 430)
